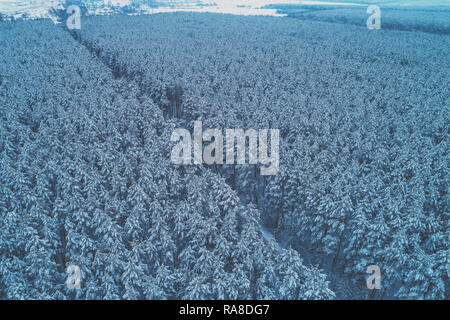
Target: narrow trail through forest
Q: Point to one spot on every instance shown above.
(119, 72)
(338, 282)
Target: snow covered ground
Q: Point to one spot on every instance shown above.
(31, 8)
(40, 8)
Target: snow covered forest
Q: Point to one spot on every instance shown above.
(86, 177)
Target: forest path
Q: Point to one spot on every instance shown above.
(119, 72)
(270, 237)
